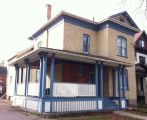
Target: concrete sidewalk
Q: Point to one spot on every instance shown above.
(131, 115)
(7, 113)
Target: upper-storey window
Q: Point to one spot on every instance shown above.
(122, 46)
(141, 43)
(141, 60)
(86, 43)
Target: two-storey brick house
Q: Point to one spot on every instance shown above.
(141, 66)
(78, 65)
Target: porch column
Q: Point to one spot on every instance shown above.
(114, 82)
(119, 84)
(101, 80)
(41, 67)
(44, 70)
(96, 78)
(52, 66)
(119, 80)
(123, 81)
(27, 62)
(16, 78)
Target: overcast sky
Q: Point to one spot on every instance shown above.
(21, 18)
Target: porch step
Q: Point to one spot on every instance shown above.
(109, 104)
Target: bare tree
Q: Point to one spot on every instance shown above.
(142, 5)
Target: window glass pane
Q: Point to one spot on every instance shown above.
(86, 43)
(124, 52)
(142, 43)
(92, 77)
(124, 44)
(119, 50)
(119, 42)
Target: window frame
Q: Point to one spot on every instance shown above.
(120, 47)
(143, 59)
(90, 81)
(141, 43)
(87, 45)
(80, 71)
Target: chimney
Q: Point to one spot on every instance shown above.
(49, 7)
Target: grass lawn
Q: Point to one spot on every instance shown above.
(142, 108)
(97, 117)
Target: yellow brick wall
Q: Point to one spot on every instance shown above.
(103, 43)
(73, 38)
(112, 46)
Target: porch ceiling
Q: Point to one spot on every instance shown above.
(67, 55)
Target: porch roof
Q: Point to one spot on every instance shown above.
(67, 55)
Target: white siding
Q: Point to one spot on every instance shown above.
(56, 35)
(42, 39)
(10, 81)
(140, 54)
(32, 105)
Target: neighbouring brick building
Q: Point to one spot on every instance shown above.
(77, 64)
(3, 77)
(141, 66)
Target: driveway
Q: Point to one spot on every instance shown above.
(7, 113)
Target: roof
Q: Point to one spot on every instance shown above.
(34, 54)
(63, 13)
(125, 13)
(139, 34)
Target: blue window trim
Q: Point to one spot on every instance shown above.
(88, 43)
(122, 39)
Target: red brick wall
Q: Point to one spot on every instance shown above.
(3, 84)
(70, 72)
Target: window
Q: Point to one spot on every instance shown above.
(125, 79)
(141, 43)
(122, 46)
(86, 43)
(80, 70)
(91, 77)
(141, 60)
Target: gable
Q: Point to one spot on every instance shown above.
(124, 17)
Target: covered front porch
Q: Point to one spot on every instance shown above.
(53, 81)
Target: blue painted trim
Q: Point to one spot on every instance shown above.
(41, 69)
(44, 70)
(114, 82)
(81, 23)
(96, 78)
(72, 99)
(16, 78)
(119, 84)
(27, 62)
(101, 80)
(123, 81)
(96, 81)
(52, 74)
(52, 67)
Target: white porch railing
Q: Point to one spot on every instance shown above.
(20, 89)
(33, 89)
(73, 89)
